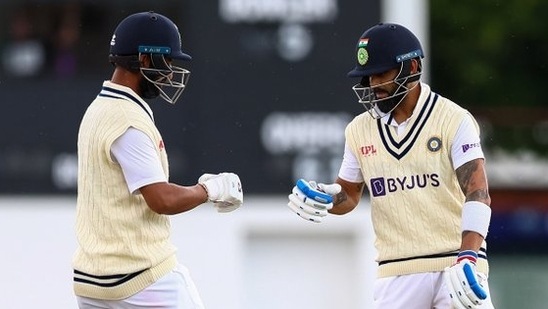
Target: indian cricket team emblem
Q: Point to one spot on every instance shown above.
(363, 55)
(434, 144)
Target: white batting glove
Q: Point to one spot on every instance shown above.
(464, 283)
(311, 201)
(224, 190)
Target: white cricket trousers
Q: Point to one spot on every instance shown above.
(416, 291)
(176, 290)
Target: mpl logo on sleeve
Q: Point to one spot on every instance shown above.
(467, 147)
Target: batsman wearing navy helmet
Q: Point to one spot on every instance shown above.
(420, 157)
(124, 257)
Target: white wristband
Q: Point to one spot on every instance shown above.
(476, 217)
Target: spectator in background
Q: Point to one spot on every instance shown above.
(67, 34)
(24, 55)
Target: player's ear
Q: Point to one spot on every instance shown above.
(144, 60)
(416, 66)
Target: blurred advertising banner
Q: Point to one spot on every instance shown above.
(268, 96)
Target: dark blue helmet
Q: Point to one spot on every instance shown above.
(157, 37)
(384, 47)
(147, 32)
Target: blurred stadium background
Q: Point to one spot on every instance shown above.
(269, 99)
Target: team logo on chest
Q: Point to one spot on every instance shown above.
(434, 144)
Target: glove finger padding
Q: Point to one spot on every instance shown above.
(224, 207)
(330, 189)
(296, 205)
(309, 205)
(458, 297)
(464, 287)
(205, 177)
(309, 201)
(224, 187)
(306, 206)
(312, 201)
(311, 191)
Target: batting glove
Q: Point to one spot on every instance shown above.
(311, 201)
(224, 190)
(464, 283)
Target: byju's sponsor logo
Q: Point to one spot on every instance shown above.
(381, 186)
(378, 187)
(467, 147)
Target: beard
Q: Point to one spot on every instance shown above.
(148, 89)
(392, 100)
(388, 105)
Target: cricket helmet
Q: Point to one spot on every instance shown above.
(381, 48)
(150, 33)
(384, 47)
(147, 31)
